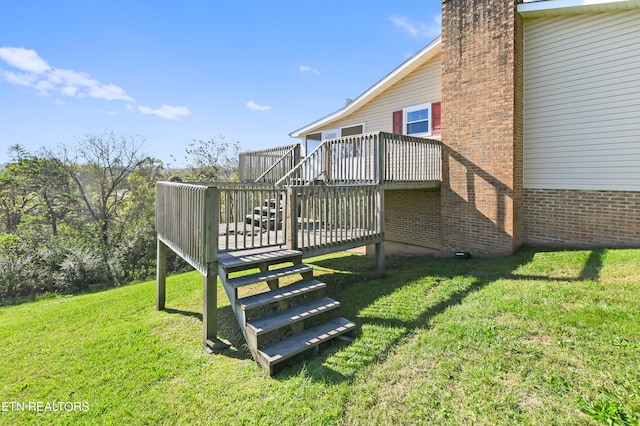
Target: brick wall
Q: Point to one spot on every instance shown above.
(579, 218)
(481, 127)
(413, 217)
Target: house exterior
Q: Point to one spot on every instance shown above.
(531, 114)
(537, 106)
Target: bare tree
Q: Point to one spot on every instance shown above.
(212, 160)
(99, 169)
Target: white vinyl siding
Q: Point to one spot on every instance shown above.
(582, 102)
(421, 86)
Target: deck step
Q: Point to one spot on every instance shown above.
(283, 293)
(257, 219)
(308, 339)
(292, 315)
(266, 211)
(269, 275)
(246, 259)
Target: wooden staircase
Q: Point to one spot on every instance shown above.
(268, 216)
(282, 321)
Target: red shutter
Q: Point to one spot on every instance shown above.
(397, 122)
(435, 118)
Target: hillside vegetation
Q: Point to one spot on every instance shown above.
(542, 337)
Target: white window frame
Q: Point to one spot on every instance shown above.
(329, 132)
(338, 130)
(405, 121)
(364, 128)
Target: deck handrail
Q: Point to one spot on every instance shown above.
(197, 221)
(251, 216)
(370, 158)
(322, 219)
(253, 165)
(184, 222)
(410, 158)
(288, 161)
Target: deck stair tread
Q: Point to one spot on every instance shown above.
(257, 218)
(282, 293)
(292, 315)
(269, 333)
(309, 338)
(266, 210)
(269, 275)
(248, 258)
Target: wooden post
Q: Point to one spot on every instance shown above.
(380, 255)
(292, 218)
(161, 275)
(296, 156)
(326, 151)
(210, 341)
(380, 160)
(211, 221)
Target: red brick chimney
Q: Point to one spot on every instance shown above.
(482, 131)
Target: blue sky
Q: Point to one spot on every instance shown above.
(170, 72)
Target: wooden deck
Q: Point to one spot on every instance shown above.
(331, 200)
(318, 240)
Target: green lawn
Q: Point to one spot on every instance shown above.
(542, 337)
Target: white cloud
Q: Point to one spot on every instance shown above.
(416, 28)
(24, 59)
(69, 91)
(35, 73)
(167, 112)
(44, 79)
(254, 106)
(19, 79)
(59, 101)
(307, 68)
(44, 87)
(109, 92)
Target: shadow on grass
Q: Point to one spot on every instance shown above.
(358, 290)
(228, 329)
(593, 265)
(196, 315)
(352, 281)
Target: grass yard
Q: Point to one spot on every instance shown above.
(542, 337)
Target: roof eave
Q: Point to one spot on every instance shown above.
(572, 7)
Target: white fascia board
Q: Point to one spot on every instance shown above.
(428, 52)
(560, 7)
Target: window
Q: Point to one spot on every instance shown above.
(330, 134)
(417, 119)
(313, 140)
(353, 130)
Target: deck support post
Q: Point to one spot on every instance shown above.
(161, 275)
(380, 254)
(210, 341)
(211, 218)
(380, 258)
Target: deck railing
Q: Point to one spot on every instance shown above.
(371, 158)
(267, 165)
(197, 221)
(184, 222)
(251, 216)
(330, 217)
(410, 159)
